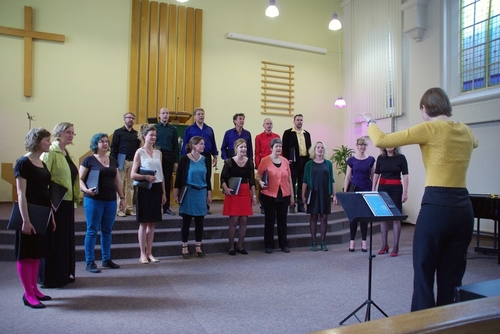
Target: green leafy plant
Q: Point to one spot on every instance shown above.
(339, 158)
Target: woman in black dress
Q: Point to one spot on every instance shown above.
(318, 178)
(32, 182)
(388, 169)
(58, 267)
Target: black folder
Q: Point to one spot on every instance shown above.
(182, 193)
(234, 184)
(265, 177)
(57, 193)
(120, 159)
(93, 180)
(39, 217)
(143, 183)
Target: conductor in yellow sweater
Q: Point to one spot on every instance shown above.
(444, 225)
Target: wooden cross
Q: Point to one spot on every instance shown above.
(29, 34)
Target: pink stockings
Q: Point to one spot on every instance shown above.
(28, 272)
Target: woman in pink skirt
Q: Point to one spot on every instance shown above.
(238, 204)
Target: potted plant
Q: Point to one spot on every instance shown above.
(339, 158)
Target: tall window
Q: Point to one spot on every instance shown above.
(480, 44)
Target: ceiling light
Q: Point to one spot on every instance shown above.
(272, 10)
(340, 103)
(182, 0)
(335, 23)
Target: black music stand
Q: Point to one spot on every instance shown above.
(357, 210)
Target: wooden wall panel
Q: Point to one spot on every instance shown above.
(153, 59)
(162, 56)
(143, 64)
(172, 53)
(134, 56)
(165, 60)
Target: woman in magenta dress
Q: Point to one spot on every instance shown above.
(238, 206)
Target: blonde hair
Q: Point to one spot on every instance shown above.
(361, 140)
(312, 149)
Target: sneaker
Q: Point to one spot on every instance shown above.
(131, 213)
(121, 214)
(169, 212)
(92, 267)
(110, 264)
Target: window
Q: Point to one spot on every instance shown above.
(479, 44)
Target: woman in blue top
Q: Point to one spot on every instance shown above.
(100, 206)
(360, 170)
(193, 175)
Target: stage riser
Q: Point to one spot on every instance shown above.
(215, 240)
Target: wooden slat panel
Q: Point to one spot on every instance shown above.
(134, 57)
(181, 58)
(189, 64)
(197, 58)
(162, 57)
(172, 46)
(153, 59)
(143, 62)
(28, 44)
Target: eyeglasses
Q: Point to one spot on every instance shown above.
(363, 144)
(70, 133)
(104, 141)
(130, 117)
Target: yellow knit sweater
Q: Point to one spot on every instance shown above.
(446, 149)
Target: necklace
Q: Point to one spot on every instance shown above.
(196, 158)
(103, 160)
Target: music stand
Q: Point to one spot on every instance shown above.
(357, 210)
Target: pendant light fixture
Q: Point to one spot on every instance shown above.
(340, 103)
(272, 10)
(335, 23)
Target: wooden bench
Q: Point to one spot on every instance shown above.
(475, 316)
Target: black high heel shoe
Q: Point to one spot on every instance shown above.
(44, 298)
(27, 303)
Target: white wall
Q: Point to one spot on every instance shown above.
(85, 79)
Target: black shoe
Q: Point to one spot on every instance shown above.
(110, 264)
(262, 211)
(232, 252)
(71, 279)
(292, 209)
(92, 267)
(27, 303)
(285, 249)
(44, 298)
(269, 250)
(209, 213)
(169, 212)
(302, 209)
(242, 251)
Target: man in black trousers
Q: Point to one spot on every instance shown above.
(296, 144)
(167, 140)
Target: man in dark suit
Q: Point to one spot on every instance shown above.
(296, 144)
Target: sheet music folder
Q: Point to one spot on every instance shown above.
(57, 193)
(39, 217)
(357, 209)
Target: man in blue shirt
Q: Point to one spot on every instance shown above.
(231, 135)
(199, 128)
(167, 141)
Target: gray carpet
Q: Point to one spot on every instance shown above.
(299, 292)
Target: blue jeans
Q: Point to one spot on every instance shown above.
(98, 214)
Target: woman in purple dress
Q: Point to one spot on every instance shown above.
(359, 174)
